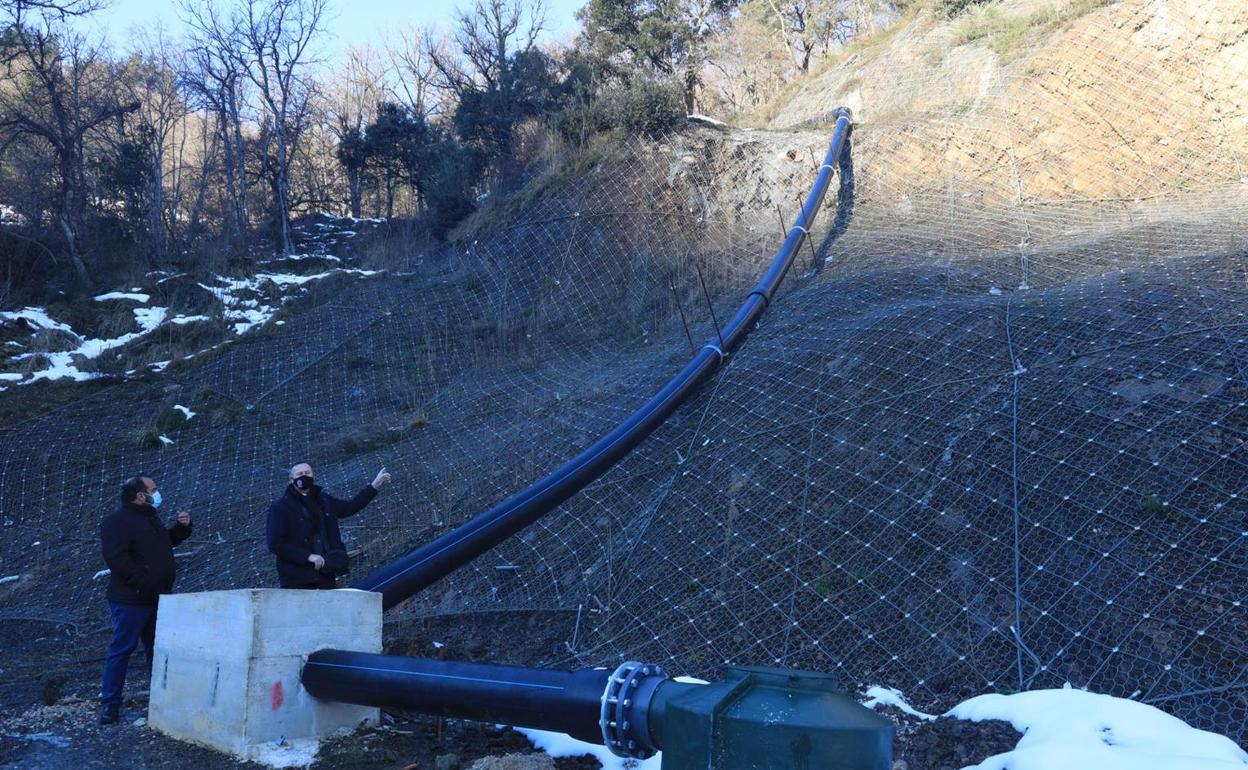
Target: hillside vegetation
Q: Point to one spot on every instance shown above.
(989, 437)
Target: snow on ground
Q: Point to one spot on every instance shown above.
(301, 257)
(186, 412)
(887, 696)
(1078, 730)
(134, 296)
(705, 119)
(247, 312)
(62, 365)
(243, 302)
(327, 215)
(37, 317)
(1071, 729)
(560, 745)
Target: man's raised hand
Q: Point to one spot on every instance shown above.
(317, 560)
(382, 479)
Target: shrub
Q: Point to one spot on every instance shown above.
(952, 8)
(1006, 35)
(641, 109)
(649, 109)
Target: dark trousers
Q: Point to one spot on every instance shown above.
(323, 582)
(132, 623)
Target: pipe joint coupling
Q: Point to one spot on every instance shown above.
(625, 714)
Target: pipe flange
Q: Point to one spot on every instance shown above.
(624, 716)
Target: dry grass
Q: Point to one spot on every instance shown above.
(1008, 35)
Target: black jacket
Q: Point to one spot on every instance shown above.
(300, 526)
(139, 552)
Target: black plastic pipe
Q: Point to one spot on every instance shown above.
(559, 701)
(427, 564)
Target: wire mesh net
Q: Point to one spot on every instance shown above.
(990, 436)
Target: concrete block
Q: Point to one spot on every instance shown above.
(227, 666)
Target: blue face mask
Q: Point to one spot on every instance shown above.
(155, 497)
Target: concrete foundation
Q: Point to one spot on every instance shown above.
(226, 673)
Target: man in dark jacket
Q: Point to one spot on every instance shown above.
(302, 530)
(139, 552)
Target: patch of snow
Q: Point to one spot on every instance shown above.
(150, 317)
(136, 297)
(248, 313)
(9, 215)
(249, 319)
(10, 579)
(10, 376)
(101, 573)
(994, 291)
(165, 440)
(438, 645)
(282, 280)
(560, 745)
(301, 257)
(182, 320)
(705, 119)
(887, 696)
(1079, 730)
(185, 411)
(61, 365)
(38, 317)
(159, 366)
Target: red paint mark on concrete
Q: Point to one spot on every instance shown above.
(278, 697)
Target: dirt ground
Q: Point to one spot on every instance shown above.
(49, 714)
(68, 735)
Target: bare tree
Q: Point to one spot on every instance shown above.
(412, 61)
(484, 39)
(747, 63)
(352, 98)
(151, 81)
(809, 27)
(59, 90)
(276, 36)
(215, 79)
(58, 9)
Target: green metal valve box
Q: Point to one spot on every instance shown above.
(768, 719)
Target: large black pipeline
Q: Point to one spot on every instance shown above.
(559, 701)
(427, 564)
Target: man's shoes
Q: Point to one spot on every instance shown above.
(110, 713)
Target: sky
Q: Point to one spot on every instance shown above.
(350, 23)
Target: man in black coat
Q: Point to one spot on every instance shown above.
(302, 530)
(139, 552)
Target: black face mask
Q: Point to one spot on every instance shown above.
(304, 483)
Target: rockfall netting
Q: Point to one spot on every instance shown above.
(990, 436)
